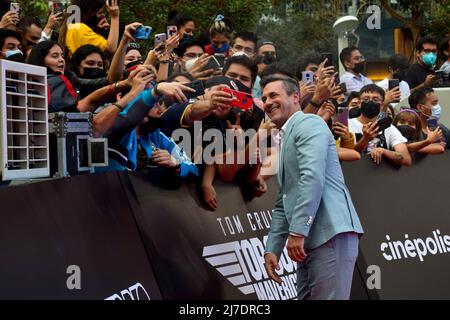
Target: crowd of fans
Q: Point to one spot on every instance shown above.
(140, 99)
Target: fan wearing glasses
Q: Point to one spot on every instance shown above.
(354, 64)
(374, 132)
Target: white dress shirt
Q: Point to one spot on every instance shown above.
(280, 139)
(353, 82)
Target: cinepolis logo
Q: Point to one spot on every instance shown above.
(242, 263)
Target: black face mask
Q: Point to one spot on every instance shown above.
(267, 58)
(18, 57)
(354, 113)
(370, 109)
(93, 73)
(133, 63)
(359, 67)
(408, 132)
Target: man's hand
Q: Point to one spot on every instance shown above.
(54, 19)
(218, 98)
(377, 155)
(174, 90)
(296, 248)
(326, 111)
(130, 29)
(260, 187)
(324, 90)
(265, 129)
(237, 126)
(271, 264)
(341, 130)
(370, 131)
(430, 80)
(434, 136)
(9, 19)
(210, 196)
(307, 88)
(112, 9)
(141, 79)
(198, 66)
(323, 72)
(162, 158)
(391, 96)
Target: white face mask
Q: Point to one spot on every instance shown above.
(240, 53)
(189, 64)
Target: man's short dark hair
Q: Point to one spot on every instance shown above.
(7, 33)
(419, 97)
(425, 40)
(244, 61)
(353, 95)
(277, 68)
(303, 62)
(190, 42)
(346, 54)
(372, 88)
(445, 46)
(179, 19)
(398, 61)
(289, 84)
(246, 36)
(27, 22)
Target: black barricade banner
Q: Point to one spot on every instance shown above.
(72, 239)
(405, 251)
(202, 254)
(148, 236)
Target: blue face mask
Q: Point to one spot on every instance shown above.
(436, 111)
(14, 55)
(222, 50)
(429, 59)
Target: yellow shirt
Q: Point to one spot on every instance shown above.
(79, 34)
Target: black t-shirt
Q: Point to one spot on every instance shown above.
(417, 74)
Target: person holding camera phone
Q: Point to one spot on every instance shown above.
(354, 64)
(376, 137)
(407, 121)
(397, 68)
(426, 103)
(10, 18)
(421, 74)
(53, 22)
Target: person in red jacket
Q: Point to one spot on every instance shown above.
(220, 36)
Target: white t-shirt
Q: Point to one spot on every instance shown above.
(392, 135)
(405, 91)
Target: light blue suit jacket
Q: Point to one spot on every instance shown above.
(313, 199)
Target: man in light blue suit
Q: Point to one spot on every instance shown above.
(314, 212)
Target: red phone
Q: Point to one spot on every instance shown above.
(241, 100)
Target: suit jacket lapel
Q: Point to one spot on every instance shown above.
(287, 134)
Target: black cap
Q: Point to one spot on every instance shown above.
(263, 42)
(232, 83)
